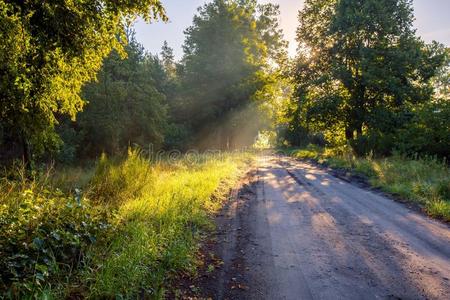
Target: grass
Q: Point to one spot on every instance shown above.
(425, 181)
(142, 223)
(169, 205)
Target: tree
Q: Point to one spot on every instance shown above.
(168, 59)
(369, 65)
(49, 50)
(441, 81)
(428, 130)
(126, 106)
(228, 51)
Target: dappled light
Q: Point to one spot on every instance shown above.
(348, 233)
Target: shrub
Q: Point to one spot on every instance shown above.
(428, 133)
(116, 182)
(45, 236)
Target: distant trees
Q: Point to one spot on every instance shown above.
(168, 60)
(361, 71)
(228, 51)
(428, 130)
(49, 49)
(441, 81)
(126, 106)
(217, 96)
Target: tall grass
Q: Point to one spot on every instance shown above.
(143, 222)
(158, 222)
(421, 180)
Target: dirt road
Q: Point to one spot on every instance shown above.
(297, 232)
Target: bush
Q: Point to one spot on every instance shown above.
(428, 133)
(310, 152)
(45, 236)
(116, 182)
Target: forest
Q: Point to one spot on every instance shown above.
(87, 211)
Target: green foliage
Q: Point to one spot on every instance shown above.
(159, 220)
(228, 86)
(48, 51)
(428, 131)
(45, 238)
(228, 54)
(362, 73)
(115, 184)
(168, 60)
(309, 152)
(441, 81)
(177, 137)
(139, 228)
(126, 106)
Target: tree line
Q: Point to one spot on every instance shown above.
(107, 93)
(76, 83)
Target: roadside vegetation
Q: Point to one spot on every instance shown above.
(125, 234)
(77, 91)
(425, 181)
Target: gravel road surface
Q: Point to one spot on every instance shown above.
(297, 232)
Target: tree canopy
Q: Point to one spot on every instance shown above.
(228, 54)
(74, 80)
(49, 50)
(361, 68)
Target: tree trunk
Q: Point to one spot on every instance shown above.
(224, 138)
(26, 153)
(349, 133)
(359, 130)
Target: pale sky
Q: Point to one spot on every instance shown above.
(432, 23)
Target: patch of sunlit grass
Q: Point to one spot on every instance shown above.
(157, 227)
(133, 225)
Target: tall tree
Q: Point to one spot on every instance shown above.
(168, 59)
(126, 106)
(369, 64)
(441, 81)
(49, 50)
(227, 54)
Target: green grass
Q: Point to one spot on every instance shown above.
(424, 181)
(142, 222)
(169, 205)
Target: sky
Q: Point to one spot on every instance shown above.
(432, 23)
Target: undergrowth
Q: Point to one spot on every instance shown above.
(425, 180)
(134, 225)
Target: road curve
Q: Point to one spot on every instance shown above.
(309, 235)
